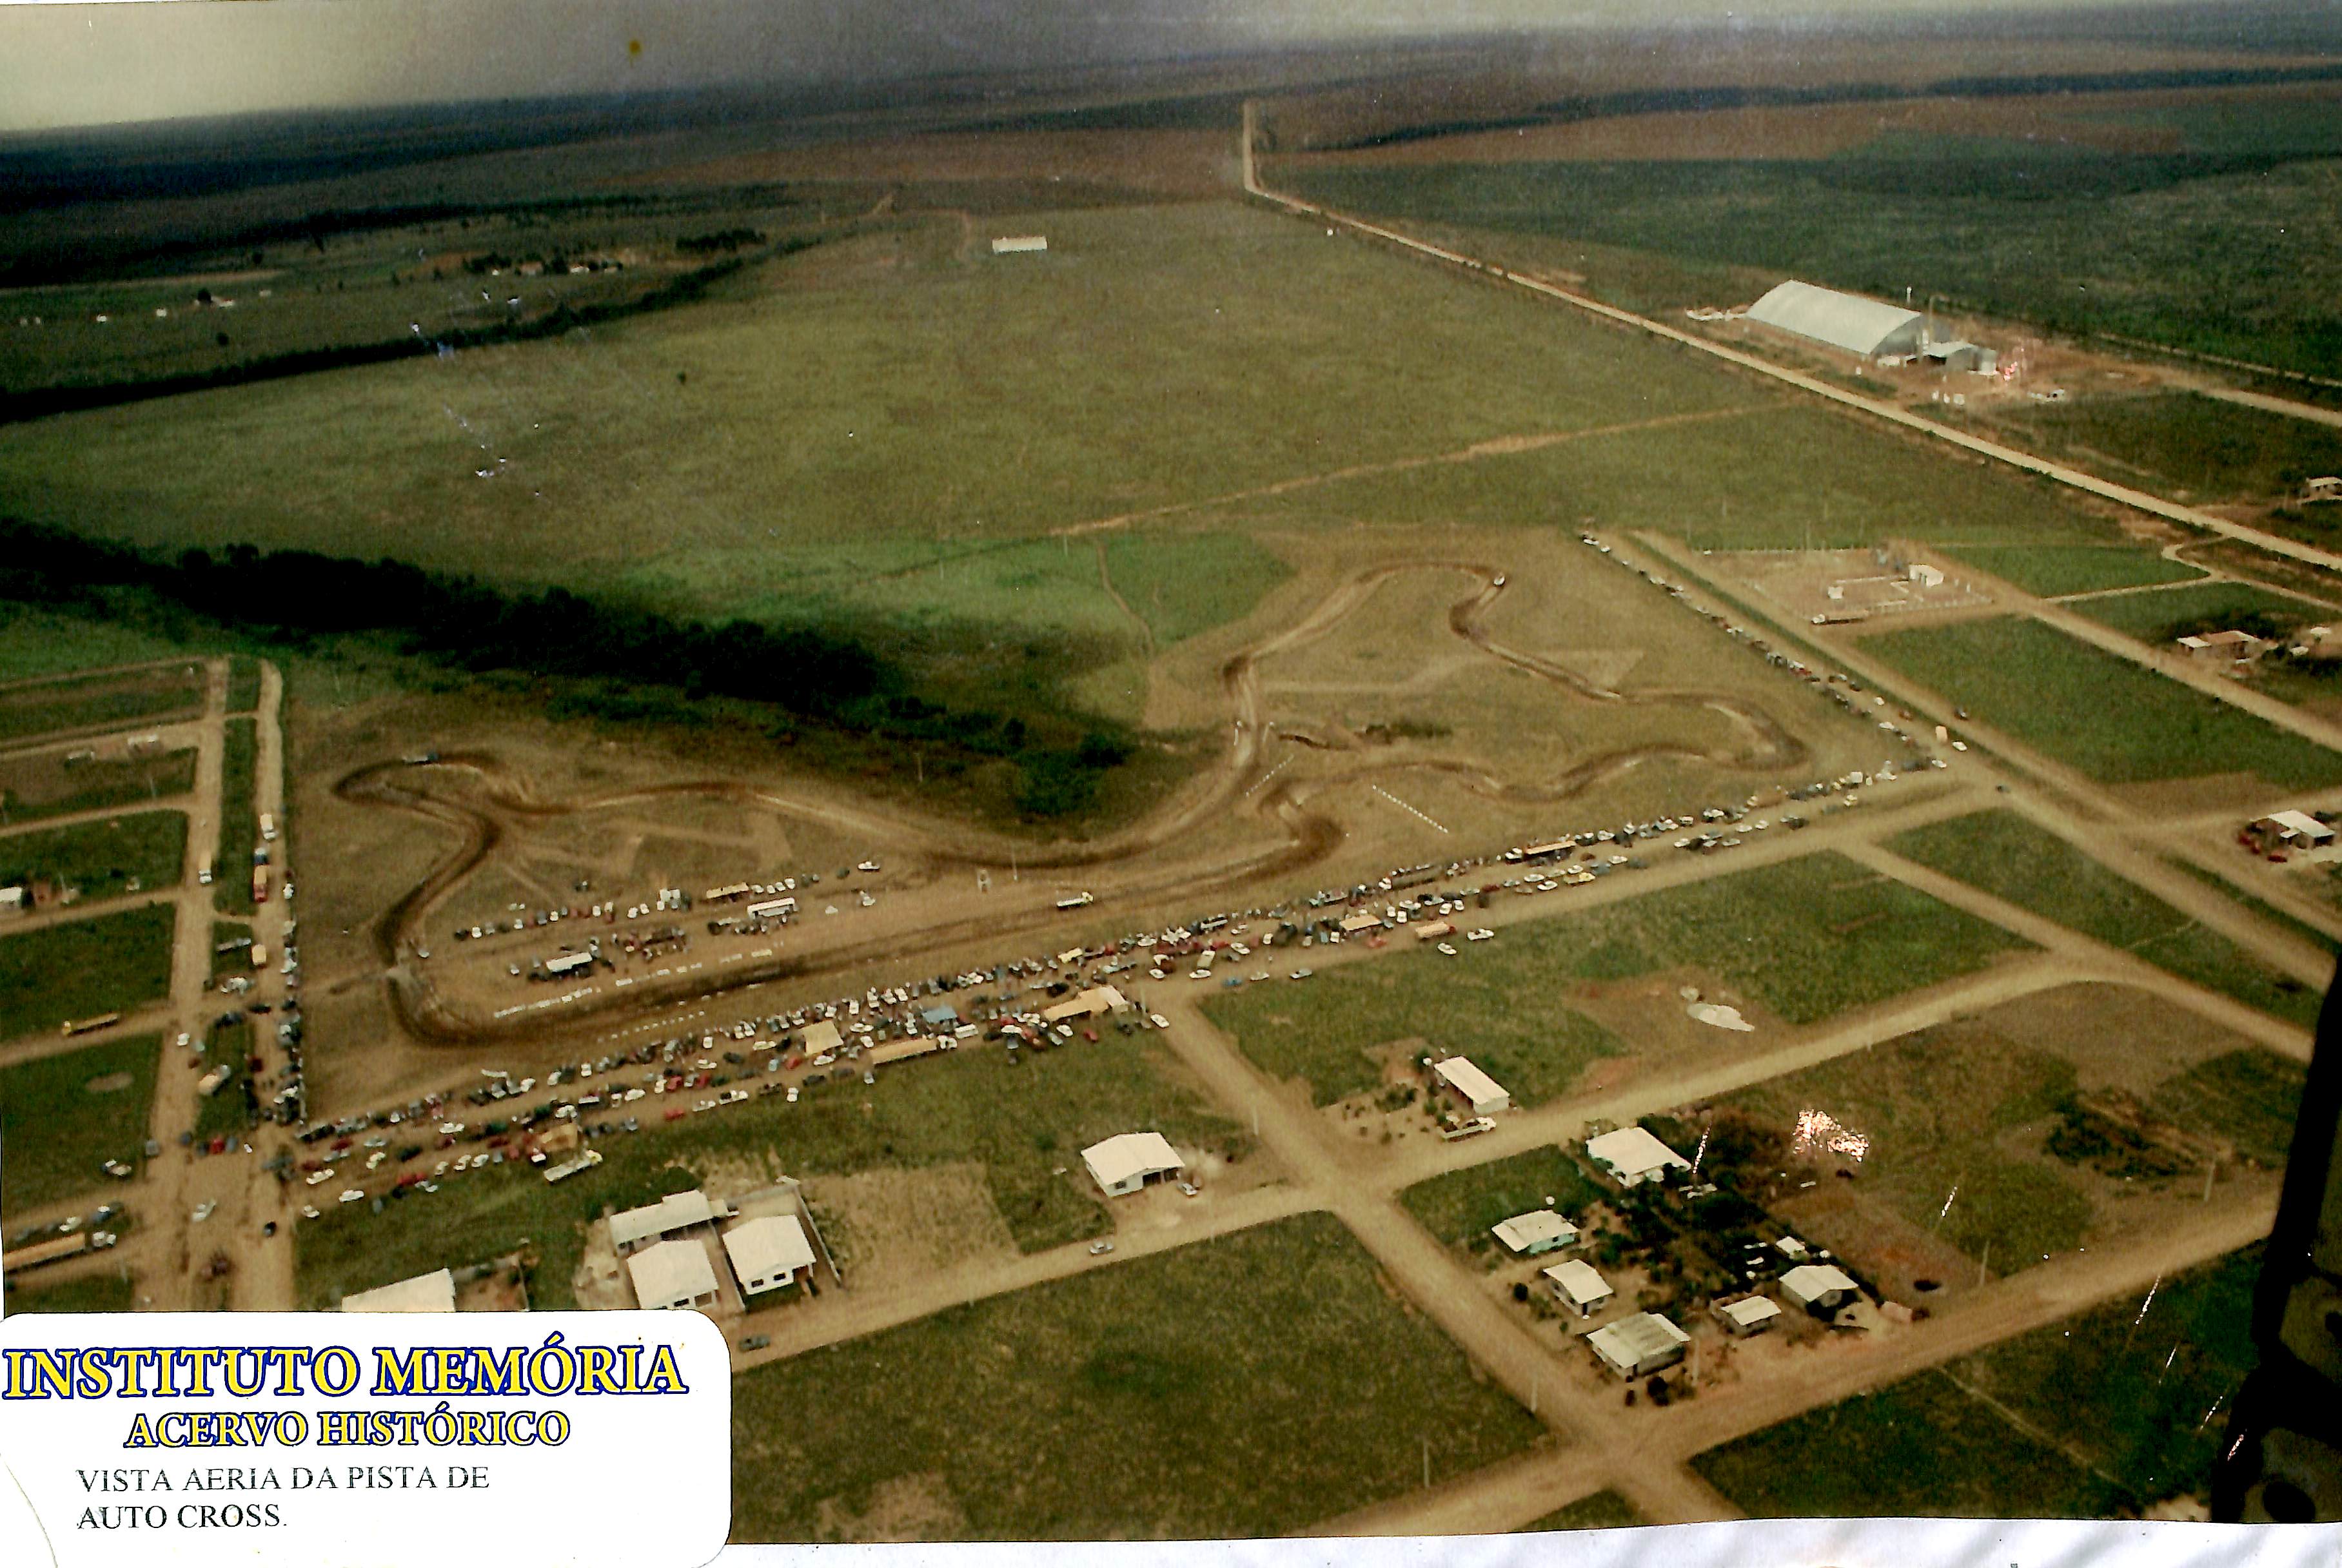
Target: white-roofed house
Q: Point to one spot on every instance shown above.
(1482, 1094)
(633, 1228)
(1127, 1162)
(1538, 1231)
(673, 1274)
(1749, 1314)
(1639, 1345)
(1579, 1285)
(434, 1292)
(1819, 1288)
(1633, 1156)
(768, 1253)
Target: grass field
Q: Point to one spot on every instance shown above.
(1220, 1351)
(1807, 938)
(84, 967)
(2049, 570)
(1459, 1207)
(62, 1116)
(242, 683)
(239, 820)
(235, 960)
(2127, 1393)
(98, 701)
(2182, 444)
(43, 784)
(1603, 1509)
(90, 1293)
(2157, 617)
(2249, 1098)
(1020, 1122)
(223, 1112)
(2095, 711)
(35, 641)
(103, 858)
(2010, 858)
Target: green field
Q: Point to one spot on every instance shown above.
(81, 968)
(105, 858)
(1459, 1206)
(2181, 443)
(2105, 1413)
(239, 822)
(2034, 869)
(1021, 1123)
(2051, 570)
(1808, 939)
(235, 960)
(2251, 1098)
(242, 683)
(1603, 1509)
(2095, 711)
(99, 701)
(1220, 1353)
(223, 1112)
(35, 788)
(37, 642)
(90, 1293)
(2157, 618)
(62, 1116)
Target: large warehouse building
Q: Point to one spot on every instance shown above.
(1868, 327)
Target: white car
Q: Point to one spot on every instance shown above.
(318, 1177)
(1158, 1021)
(351, 1194)
(449, 1129)
(309, 1212)
(1483, 934)
(1301, 974)
(1446, 949)
(203, 1212)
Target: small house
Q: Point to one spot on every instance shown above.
(768, 1253)
(2237, 647)
(2291, 830)
(1638, 1346)
(1538, 1231)
(673, 1275)
(1749, 1314)
(1579, 1286)
(1820, 1288)
(1633, 1156)
(1127, 1161)
(675, 1213)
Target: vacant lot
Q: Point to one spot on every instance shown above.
(239, 820)
(1020, 1122)
(2182, 444)
(43, 784)
(84, 967)
(1807, 939)
(2106, 1411)
(2049, 570)
(1221, 1351)
(1459, 1207)
(104, 700)
(105, 858)
(2010, 858)
(62, 1116)
(2095, 711)
(89, 1293)
(2157, 617)
(1605, 1510)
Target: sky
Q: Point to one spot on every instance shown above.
(67, 64)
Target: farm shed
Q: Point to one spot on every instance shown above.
(768, 1253)
(1538, 1231)
(2293, 829)
(631, 1228)
(1639, 1345)
(2234, 645)
(1633, 1156)
(1925, 576)
(1819, 1288)
(1869, 328)
(434, 1292)
(1579, 1285)
(1481, 1093)
(673, 1274)
(1128, 1161)
(1749, 1314)
(1959, 353)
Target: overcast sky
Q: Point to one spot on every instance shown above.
(79, 65)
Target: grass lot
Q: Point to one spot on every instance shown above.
(1808, 939)
(223, 1112)
(102, 858)
(239, 824)
(235, 961)
(2157, 617)
(84, 967)
(2049, 570)
(35, 788)
(57, 1131)
(102, 700)
(1605, 1510)
(2031, 867)
(1222, 1352)
(1459, 1207)
(242, 683)
(90, 1293)
(35, 641)
(2095, 711)
(1020, 1122)
(2248, 1097)
(2182, 444)
(2123, 1394)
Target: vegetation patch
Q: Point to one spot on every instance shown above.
(242, 683)
(1226, 1345)
(239, 822)
(98, 701)
(1603, 1509)
(2048, 571)
(1461, 1205)
(82, 968)
(58, 1129)
(100, 859)
(2186, 444)
(2249, 1098)
(39, 786)
(87, 1293)
(2161, 617)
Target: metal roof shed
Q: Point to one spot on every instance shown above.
(1128, 1161)
(1538, 1231)
(1634, 1346)
(1580, 1285)
(1476, 1088)
(1866, 326)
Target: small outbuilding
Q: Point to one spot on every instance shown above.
(1482, 1094)
(434, 1292)
(632, 1228)
(1578, 1285)
(1638, 1346)
(2234, 646)
(1925, 576)
(1019, 244)
(672, 1275)
(1633, 1156)
(1538, 1231)
(2292, 829)
(1819, 1288)
(1127, 1162)
(768, 1253)
(1749, 1314)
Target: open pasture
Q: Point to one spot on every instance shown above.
(61, 1116)
(105, 858)
(105, 699)
(38, 785)
(2155, 618)
(2051, 570)
(81, 968)
(2191, 447)
(1222, 1352)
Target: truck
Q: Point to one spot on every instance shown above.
(260, 885)
(1078, 901)
(567, 1168)
(204, 872)
(267, 824)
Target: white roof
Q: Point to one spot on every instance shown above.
(1523, 1232)
(1845, 321)
(434, 1292)
(671, 1272)
(821, 1035)
(1127, 1155)
(1087, 1004)
(1474, 1084)
(1632, 1153)
(1790, 1247)
(1581, 1282)
(760, 1249)
(2301, 822)
(1807, 1282)
(1631, 1340)
(672, 1213)
(1750, 1311)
